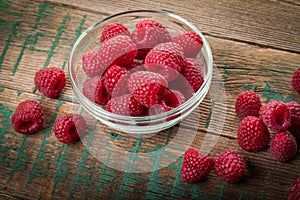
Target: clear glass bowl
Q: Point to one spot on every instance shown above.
(89, 41)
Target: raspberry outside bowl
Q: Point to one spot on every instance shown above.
(89, 41)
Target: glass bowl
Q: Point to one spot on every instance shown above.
(89, 41)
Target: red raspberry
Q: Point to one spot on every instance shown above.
(283, 146)
(165, 63)
(28, 117)
(148, 94)
(67, 128)
(148, 34)
(50, 81)
(114, 80)
(138, 79)
(125, 105)
(94, 90)
(295, 190)
(171, 47)
(295, 119)
(296, 80)
(191, 43)
(91, 64)
(252, 134)
(196, 166)
(119, 50)
(112, 30)
(169, 99)
(230, 166)
(247, 104)
(276, 116)
(191, 70)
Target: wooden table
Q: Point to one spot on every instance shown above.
(256, 45)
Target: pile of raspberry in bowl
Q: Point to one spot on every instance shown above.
(141, 71)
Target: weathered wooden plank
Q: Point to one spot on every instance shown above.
(266, 23)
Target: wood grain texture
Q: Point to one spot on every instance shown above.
(37, 35)
(272, 24)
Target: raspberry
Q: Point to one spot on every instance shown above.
(148, 95)
(252, 134)
(191, 43)
(295, 190)
(295, 119)
(114, 80)
(171, 47)
(276, 116)
(119, 50)
(196, 166)
(169, 99)
(191, 70)
(67, 128)
(283, 146)
(125, 105)
(247, 104)
(112, 30)
(94, 90)
(28, 117)
(296, 80)
(91, 64)
(148, 34)
(165, 63)
(50, 81)
(138, 79)
(230, 166)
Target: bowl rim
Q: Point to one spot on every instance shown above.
(152, 118)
